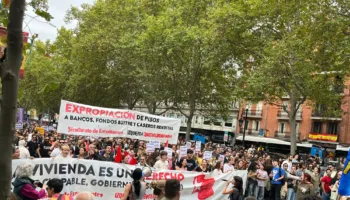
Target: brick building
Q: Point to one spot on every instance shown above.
(271, 121)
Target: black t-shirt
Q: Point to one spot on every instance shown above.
(44, 150)
(32, 147)
(191, 165)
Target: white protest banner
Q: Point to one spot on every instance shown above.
(188, 145)
(207, 155)
(150, 148)
(156, 143)
(80, 119)
(198, 146)
(107, 180)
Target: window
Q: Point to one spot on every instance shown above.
(217, 122)
(317, 127)
(196, 119)
(257, 126)
(282, 127)
(206, 121)
(332, 128)
(228, 122)
(172, 115)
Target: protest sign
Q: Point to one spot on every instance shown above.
(107, 180)
(150, 148)
(183, 151)
(207, 155)
(19, 126)
(170, 152)
(80, 119)
(188, 145)
(198, 146)
(156, 143)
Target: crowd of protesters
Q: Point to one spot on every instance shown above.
(269, 177)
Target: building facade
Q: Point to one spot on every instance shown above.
(312, 127)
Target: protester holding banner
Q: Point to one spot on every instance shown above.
(162, 163)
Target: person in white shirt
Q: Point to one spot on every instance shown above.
(162, 163)
(229, 166)
(288, 162)
(23, 151)
(65, 152)
(56, 149)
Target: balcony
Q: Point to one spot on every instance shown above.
(252, 132)
(320, 115)
(253, 113)
(281, 115)
(285, 136)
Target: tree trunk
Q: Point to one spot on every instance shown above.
(189, 126)
(9, 77)
(292, 123)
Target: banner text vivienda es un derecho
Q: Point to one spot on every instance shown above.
(107, 180)
(79, 119)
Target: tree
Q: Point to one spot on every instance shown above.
(42, 85)
(9, 71)
(305, 50)
(197, 78)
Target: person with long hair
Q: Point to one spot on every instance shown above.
(252, 180)
(236, 192)
(137, 189)
(82, 153)
(305, 187)
(182, 165)
(205, 167)
(218, 169)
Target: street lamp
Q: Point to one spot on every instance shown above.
(240, 121)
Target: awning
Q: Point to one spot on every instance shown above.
(342, 148)
(271, 141)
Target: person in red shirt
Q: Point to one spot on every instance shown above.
(325, 183)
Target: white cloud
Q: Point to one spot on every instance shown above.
(58, 9)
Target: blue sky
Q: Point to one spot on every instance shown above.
(58, 9)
